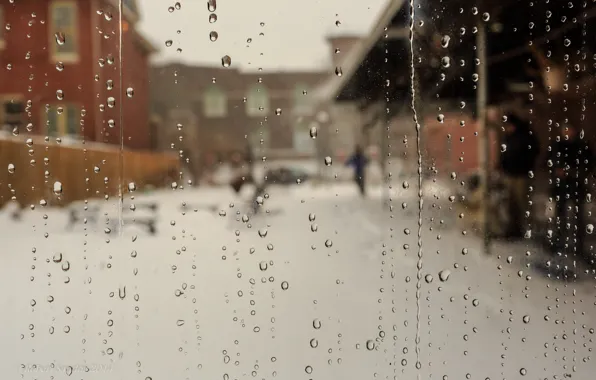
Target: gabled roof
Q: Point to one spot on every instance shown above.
(331, 88)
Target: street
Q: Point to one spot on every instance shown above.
(320, 284)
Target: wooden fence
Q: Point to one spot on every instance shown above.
(33, 171)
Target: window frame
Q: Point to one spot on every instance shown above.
(55, 54)
(257, 94)
(214, 95)
(62, 129)
(7, 98)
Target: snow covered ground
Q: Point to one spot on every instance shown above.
(322, 285)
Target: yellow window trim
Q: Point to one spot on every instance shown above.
(61, 119)
(69, 57)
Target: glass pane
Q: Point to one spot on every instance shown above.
(52, 122)
(72, 120)
(310, 190)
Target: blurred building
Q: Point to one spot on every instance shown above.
(62, 74)
(217, 111)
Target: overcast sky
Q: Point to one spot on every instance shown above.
(294, 31)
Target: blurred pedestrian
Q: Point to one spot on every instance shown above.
(519, 151)
(571, 161)
(240, 170)
(358, 162)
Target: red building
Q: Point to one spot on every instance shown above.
(64, 75)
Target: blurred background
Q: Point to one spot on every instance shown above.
(319, 151)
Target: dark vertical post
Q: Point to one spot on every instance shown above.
(484, 148)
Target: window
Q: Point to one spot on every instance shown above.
(301, 139)
(215, 103)
(11, 112)
(64, 31)
(302, 99)
(62, 120)
(257, 101)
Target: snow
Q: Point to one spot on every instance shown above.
(207, 309)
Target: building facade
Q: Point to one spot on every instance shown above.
(65, 76)
(230, 110)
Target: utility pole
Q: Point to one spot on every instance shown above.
(484, 148)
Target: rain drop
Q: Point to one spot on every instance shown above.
(57, 187)
(60, 38)
(445, 41)
(444, 275)
(226, 61)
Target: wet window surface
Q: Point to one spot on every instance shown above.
(297, 190)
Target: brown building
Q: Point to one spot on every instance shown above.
(228, 109)
(62, 75)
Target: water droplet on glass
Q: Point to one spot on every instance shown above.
(445, 41)
(523, 372)
(328, 161)
(169, 43)
(11, 168)
(485, 16)
(60, 38)
(212, 18)
(111, 102)
(370, 344)
(328, 243)
(263, 265)
(444, 275)
(57, 187)
(338, 71)
(130, 92)
(308, 369)
(503, 148)
(226, 61)
(428, 278)
(441, 118)
(526, 319)
(445, 62)
(590, 229)
(313, 132)
(180, 322)
(285, 285)
(213, 36)
(211, 5)
(316, 324)
(314, 343)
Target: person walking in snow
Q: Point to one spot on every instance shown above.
(358, 162)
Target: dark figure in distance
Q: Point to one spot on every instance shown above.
(571, 162)
(358, 161)
(518, 157)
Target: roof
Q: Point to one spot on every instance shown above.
(333, 85)
(380, 68)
